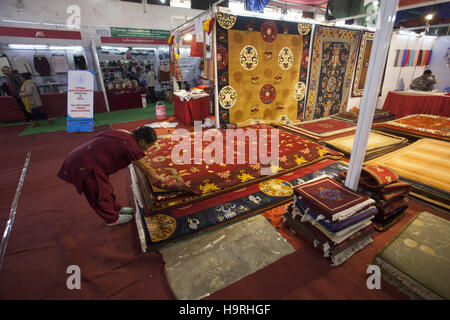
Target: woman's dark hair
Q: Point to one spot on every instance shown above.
(427, 72)
(26, 75)
(145, 133)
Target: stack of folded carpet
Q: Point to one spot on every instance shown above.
(336, 219)
(383, 185)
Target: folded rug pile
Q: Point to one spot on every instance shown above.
(336, 219)
(383, 185)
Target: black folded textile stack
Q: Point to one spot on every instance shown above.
(391, 195)
(335, 219)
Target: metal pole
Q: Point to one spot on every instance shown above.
(311, 43)
(100, 74)
(431, 26)
(378, 55)
(216, 77)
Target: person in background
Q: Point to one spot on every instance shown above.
(89, 166)
(186, 86)
(30, 98)
(150, 78)
(425, 82)
(5, 90)
(201, 79)
(15, 83)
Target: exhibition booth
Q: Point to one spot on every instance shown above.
(323, 150)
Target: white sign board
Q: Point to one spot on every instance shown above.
(80, 101)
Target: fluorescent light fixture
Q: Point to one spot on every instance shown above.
(27, 46)
(74, 48)
(188, 37)
(54, 24)
(114, 48)
(237, 6)
(408, 33)
(17, 21)
(293, 14)
(180, 3)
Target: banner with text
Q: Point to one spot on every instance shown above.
(80, 101)
(139, 33)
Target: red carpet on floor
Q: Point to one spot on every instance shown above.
(55, 228)
(12, 160)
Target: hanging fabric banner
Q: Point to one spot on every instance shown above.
(408, 54)
(416, 58)
(256, 5)
(405, 53)
(411, 58)
(429, 57)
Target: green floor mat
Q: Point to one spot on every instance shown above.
(101, 119)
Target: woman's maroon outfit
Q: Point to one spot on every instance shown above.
(88, 166)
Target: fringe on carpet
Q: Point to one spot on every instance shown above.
(404, 283)
(349, 252)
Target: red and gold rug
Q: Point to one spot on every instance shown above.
(176, 224)
(422, 125)
(321, 129)
(197, 181)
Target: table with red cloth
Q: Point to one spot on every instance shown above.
(128, 98)
(405, 103)
(55, 104)
(189, 111)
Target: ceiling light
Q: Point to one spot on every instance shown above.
(27, 46)
(114, 48)
(188, 37)
(429, 17)
(17, 21)
(75, 48)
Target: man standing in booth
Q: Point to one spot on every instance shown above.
(150, 80)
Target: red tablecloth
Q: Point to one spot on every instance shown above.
(189, 111)
(402, 104)
(55, 104)
(120, 99)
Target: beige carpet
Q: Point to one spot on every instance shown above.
(204, 265)
(426, 161)
(378, 144)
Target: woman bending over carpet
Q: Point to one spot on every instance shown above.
(88, 168)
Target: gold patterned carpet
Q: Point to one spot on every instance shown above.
(248, 81)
